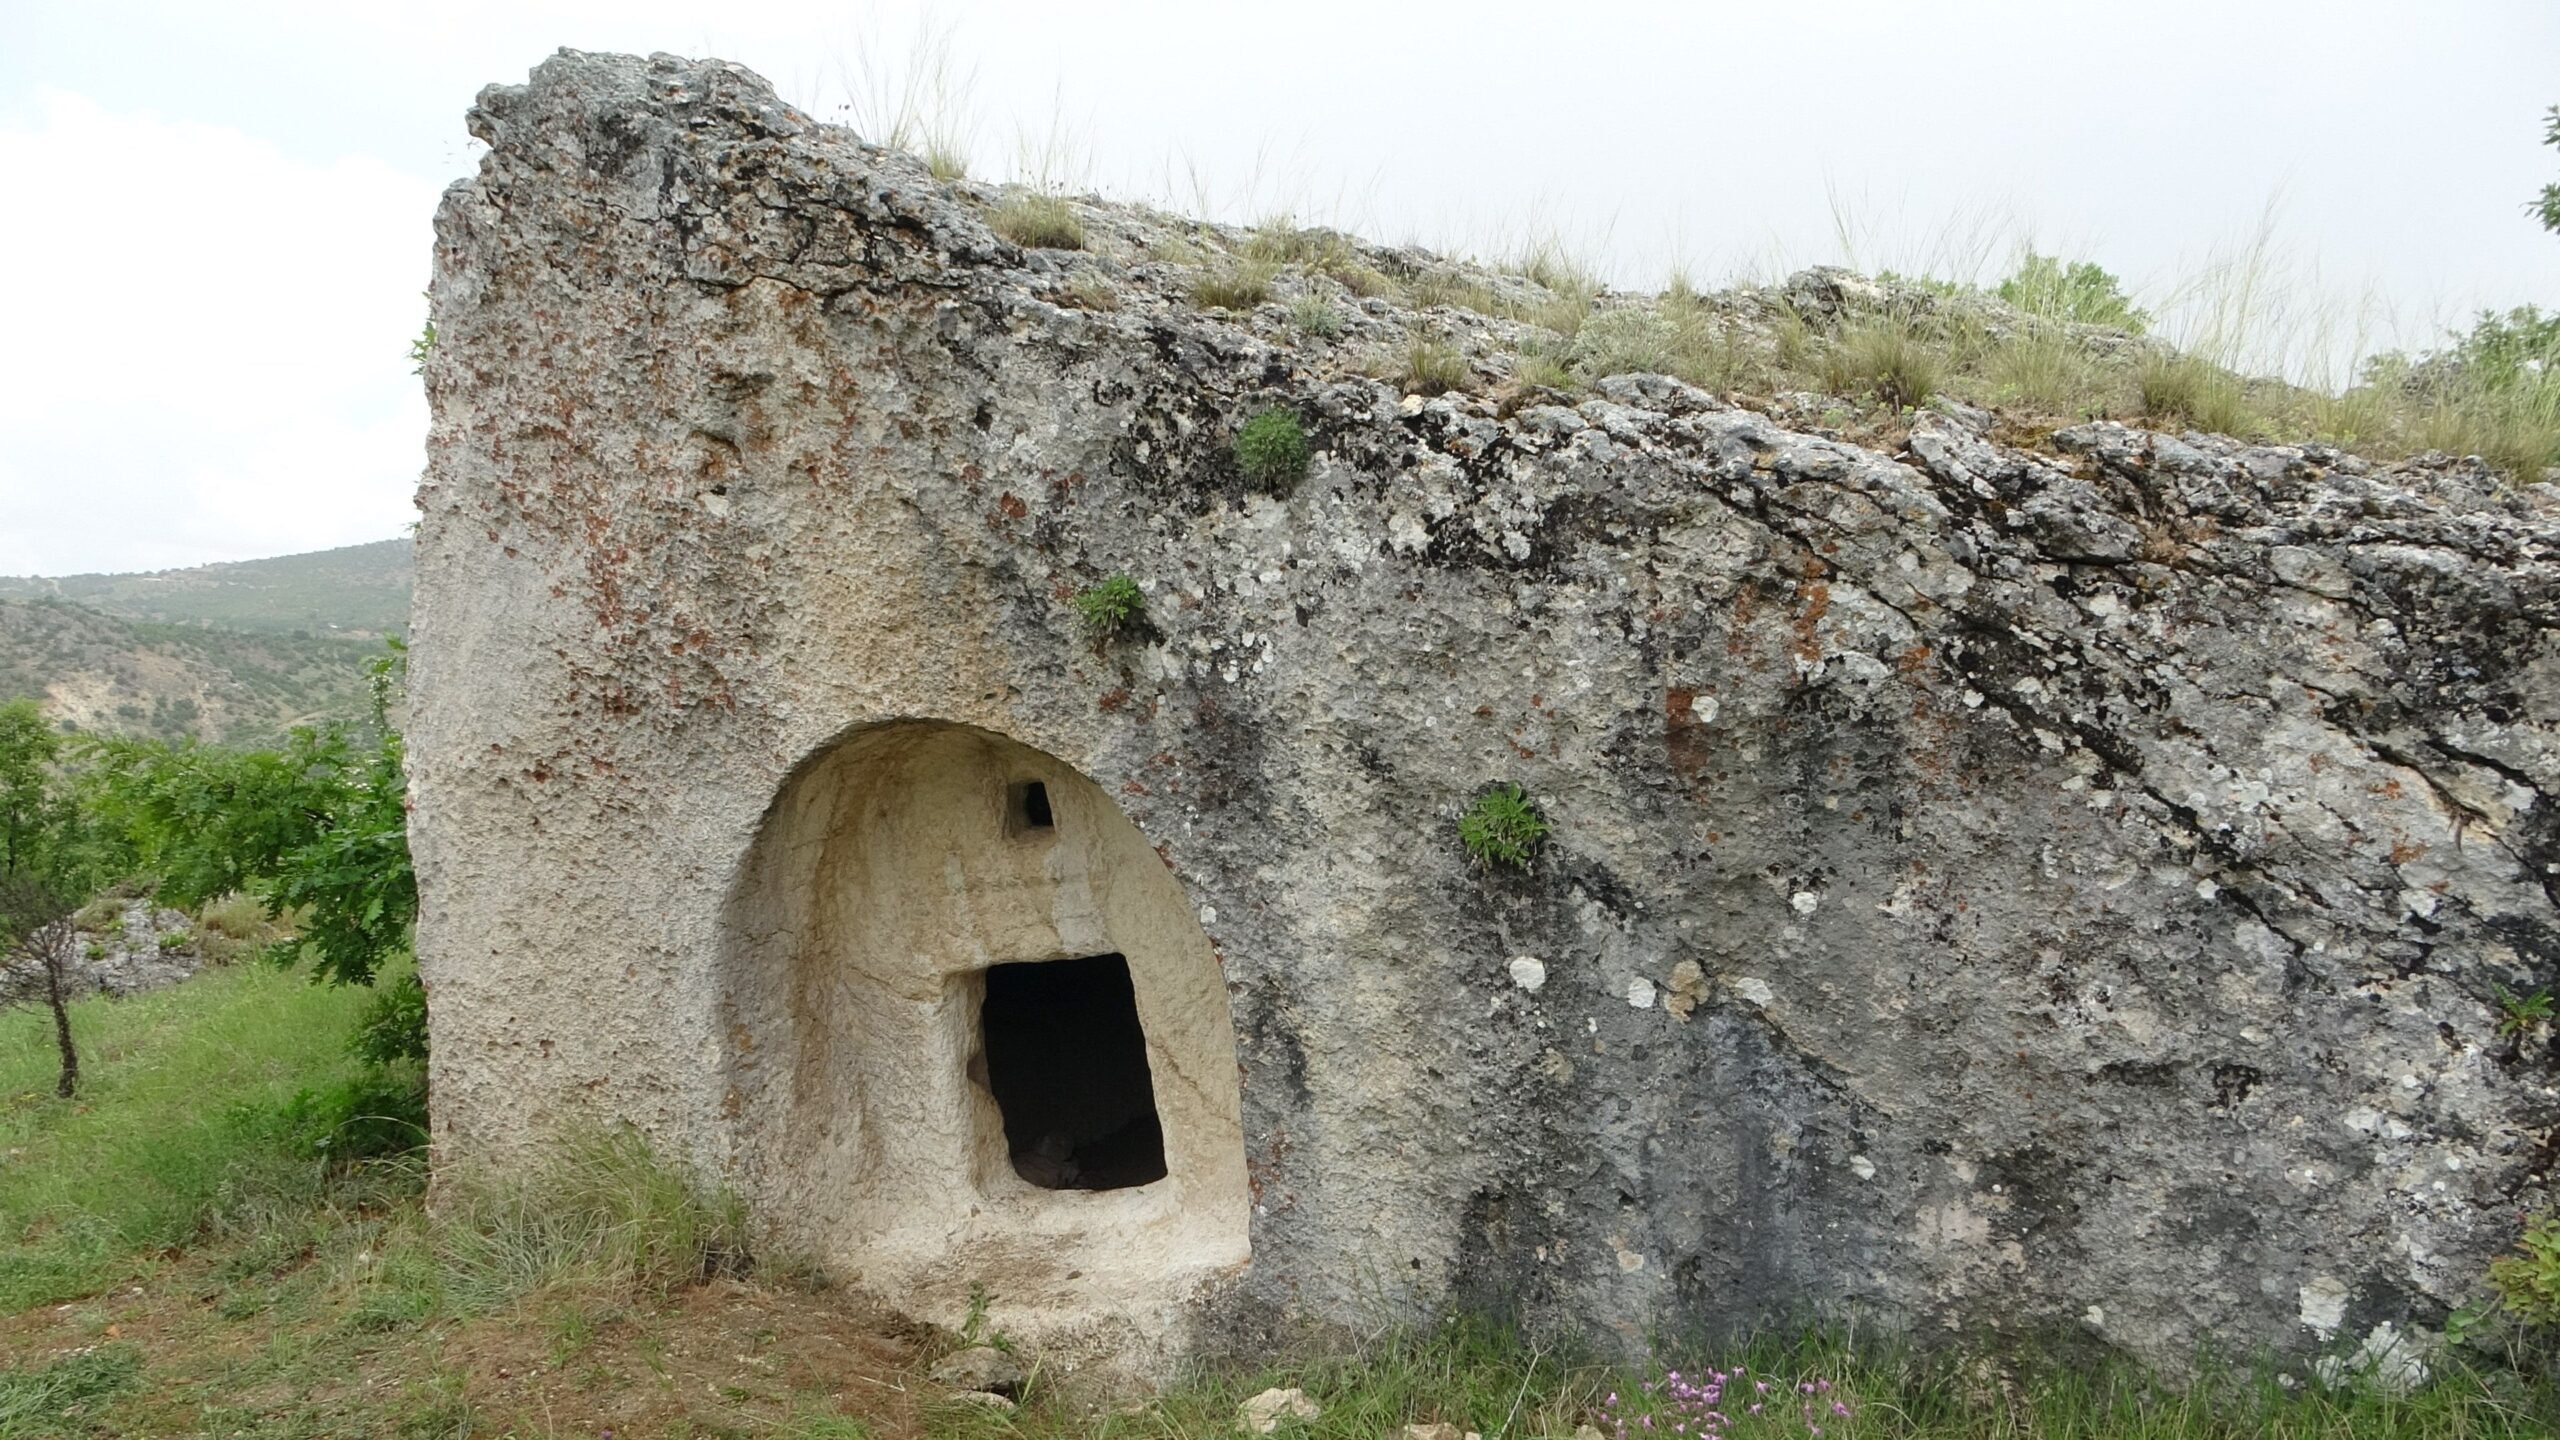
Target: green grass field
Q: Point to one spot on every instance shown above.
(224, 1234)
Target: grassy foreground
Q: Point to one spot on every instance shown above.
(226, 1236)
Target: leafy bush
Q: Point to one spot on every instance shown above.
(1271, 449)
(1114, 607)
(393, 1027)
(1502, 828)
(2082, 293)
(1042, 222)
(2502, 353)
(2546, 206)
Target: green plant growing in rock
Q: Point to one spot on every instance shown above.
(1111, 608)
(2518, 1014)
(1502, 828)
(2527, 1280)
(1271, 449)
(1041, 222)
(422, 347)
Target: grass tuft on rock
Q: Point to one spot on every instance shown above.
(1041, 222)
(1434, 368)
(1235, 285)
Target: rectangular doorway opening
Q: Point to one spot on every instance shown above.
(1067, 1064)
(1027, 809)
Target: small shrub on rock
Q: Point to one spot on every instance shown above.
(1271, 449)
(1314, 317)
(1112, 608)
(1502, 828)
(2084, 294)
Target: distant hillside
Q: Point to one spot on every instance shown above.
(358, 589)
(103, 673)
(238, 653)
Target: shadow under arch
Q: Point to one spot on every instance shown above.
(935, 1080)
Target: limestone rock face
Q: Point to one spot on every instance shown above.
(2069, 880)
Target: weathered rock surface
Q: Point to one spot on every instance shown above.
(979, 1367)
(2079, 873)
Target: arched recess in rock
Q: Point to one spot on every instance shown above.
(974, 1034)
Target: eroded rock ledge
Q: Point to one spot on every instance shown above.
(2055, 884)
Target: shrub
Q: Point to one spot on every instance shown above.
(1236, 285)
(175, 940)
(393, 1027)
(1271, 449)
(1043, 222)
(1432, 368)
(1502, 828)
(1114, 607)
(2082, 293)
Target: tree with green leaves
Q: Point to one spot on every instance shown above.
(43, 874)
(2546, 206)
(318, 829)
(27, 750)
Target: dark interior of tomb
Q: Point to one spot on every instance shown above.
(1067, 1062)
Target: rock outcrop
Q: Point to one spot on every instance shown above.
(2025, 882)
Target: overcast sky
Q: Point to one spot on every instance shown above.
(218, 214)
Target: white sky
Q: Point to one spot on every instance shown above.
(217, 216)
